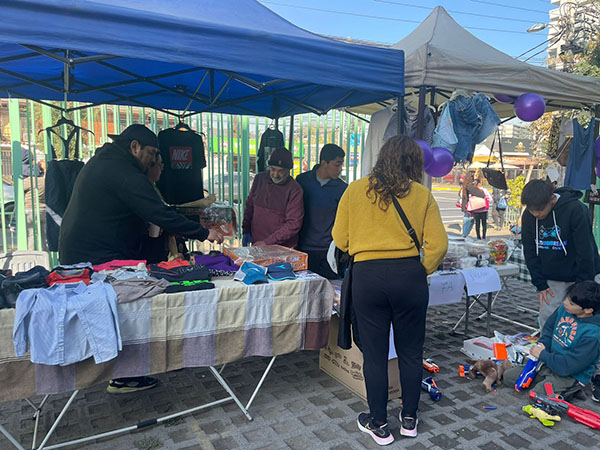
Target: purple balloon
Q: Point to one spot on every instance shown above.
(427, 152)
(597, 148)
(503, 98)
(529, 107)
(443, 161)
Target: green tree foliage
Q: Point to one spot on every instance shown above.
(516, 188)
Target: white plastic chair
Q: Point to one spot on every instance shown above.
(23, 260)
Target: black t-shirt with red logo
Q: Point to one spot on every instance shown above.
(182, 152)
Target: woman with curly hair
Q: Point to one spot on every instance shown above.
(389, 275)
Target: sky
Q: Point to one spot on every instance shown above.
(500, 23)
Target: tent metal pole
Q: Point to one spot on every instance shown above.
(400, 115)
(421, 111)
(291, 135)
(594, 160)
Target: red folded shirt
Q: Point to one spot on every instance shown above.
(69, 276)
(173, 264)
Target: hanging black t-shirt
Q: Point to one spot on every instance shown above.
(182, 153)
(269, 141)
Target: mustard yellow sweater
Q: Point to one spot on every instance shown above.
(367, 232)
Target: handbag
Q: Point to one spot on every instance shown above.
(495, 178)
(476, 203)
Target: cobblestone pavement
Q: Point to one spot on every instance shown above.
(301, 407)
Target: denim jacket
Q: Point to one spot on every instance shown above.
(67, 323)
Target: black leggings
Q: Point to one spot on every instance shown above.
(384, 292)
(480, 218)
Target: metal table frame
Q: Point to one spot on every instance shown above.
(489, 307)
(146, 423)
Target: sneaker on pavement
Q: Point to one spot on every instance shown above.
(380, 434)
(596, 388)
(132, 384)
(409, 426)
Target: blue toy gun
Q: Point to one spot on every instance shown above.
(527, 375)
(428, 385)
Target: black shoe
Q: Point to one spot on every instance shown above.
(133, 384)
(380, 434)
(409, 426)
(596, 388)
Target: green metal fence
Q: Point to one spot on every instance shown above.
(231, 148)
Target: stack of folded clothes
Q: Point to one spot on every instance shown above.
(193, 277)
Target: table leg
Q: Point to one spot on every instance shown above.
(12, 440)
(489, 312)
(468, 303)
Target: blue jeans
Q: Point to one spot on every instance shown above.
(468, 222)
(473, 119)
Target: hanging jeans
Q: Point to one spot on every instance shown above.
(391, 292)
(473, 119)
(581, 156)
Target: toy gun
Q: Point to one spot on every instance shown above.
(527, 375)
(430, 366)
(428, 385)
(554, 402)
(464, 369)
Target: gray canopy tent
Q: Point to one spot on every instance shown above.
(441, 56)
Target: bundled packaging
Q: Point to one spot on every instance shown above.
(268, 254)
(219, 216)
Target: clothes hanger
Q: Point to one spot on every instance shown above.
(64, 121)
(182, 126)
(272, 124)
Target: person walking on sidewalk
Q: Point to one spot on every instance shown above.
(478, 206)
(381, 221)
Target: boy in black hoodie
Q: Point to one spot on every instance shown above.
(558, 243)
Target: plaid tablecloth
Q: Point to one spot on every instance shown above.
(191, 329)
(518, 259)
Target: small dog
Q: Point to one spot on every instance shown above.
(490, 370)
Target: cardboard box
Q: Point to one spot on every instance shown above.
(346, 366)
(268, 254)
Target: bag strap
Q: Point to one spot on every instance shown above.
(500, 149)
(411, 231)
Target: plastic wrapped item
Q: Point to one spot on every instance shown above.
(219, 216)
(468, 262)
(268, 254)
(456, 250)
(500, 250)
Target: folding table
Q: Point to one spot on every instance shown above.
(173, 331)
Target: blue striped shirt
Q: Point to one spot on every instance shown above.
(67, 323)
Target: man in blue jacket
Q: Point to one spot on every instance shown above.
(322, 192)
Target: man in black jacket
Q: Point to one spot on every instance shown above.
(558, 243)
(113, 200)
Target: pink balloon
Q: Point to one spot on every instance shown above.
(529, 107)
(503, 98)
(427, 152)
(597, 148)
(443, 161)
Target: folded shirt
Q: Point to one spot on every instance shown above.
(182, 273)
(136, 288)
(63, 275)
(119, 263)
(183, 286)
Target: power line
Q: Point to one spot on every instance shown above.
(509, 6)
(394, 19)
(454, 11)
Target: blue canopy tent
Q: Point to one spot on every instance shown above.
(232, 56)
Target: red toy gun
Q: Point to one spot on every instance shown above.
(430, 366)
(555, 402)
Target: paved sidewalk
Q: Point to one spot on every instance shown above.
(301, 407)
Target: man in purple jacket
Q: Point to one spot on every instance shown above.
(275, 208)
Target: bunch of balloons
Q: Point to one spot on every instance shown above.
(438, 160)
(528, 107)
